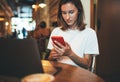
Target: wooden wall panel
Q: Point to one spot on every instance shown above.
(53, 6)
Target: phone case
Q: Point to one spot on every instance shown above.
(59, 39)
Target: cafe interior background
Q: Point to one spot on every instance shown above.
(101, 15)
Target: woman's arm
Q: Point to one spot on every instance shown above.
(67, 51)
(84, 62)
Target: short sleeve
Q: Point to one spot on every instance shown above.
(91, 46)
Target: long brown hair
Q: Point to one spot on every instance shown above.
(80, 20)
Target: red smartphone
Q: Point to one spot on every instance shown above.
(59, 39)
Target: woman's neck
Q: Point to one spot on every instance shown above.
(73, 27)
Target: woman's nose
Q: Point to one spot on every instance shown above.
(67, 16)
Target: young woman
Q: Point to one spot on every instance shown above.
(81, 41)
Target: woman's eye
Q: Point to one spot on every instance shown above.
(71, 12)
(64, 13)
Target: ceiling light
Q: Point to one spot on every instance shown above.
(33, 6)
(42, 5)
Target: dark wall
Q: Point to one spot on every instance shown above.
(108, 62)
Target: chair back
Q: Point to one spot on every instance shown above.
(92, 67)
(19, 57)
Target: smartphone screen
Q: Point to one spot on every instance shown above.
(59, 39)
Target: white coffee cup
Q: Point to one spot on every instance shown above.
(39, 77)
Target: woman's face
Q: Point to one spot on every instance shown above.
(69, 13)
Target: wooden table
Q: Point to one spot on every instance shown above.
(68, 73)
(62, 73)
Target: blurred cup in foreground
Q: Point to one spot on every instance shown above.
(40, 77)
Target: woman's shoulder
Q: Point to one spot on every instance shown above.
(89, 29)
(56, 30)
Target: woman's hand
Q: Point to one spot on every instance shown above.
(62, 50)
(53, 55)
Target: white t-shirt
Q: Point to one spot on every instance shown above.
(81, 42)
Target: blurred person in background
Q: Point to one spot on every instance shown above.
(41, 34)
(24, 32)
